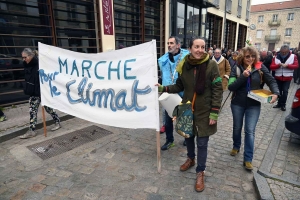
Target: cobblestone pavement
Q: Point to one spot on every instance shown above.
(287, 163)
(281, 162)
(283, 191)
(123, 165)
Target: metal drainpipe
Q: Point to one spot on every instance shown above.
(224, 24)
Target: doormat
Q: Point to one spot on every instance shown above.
(56, 146)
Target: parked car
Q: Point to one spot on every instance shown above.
(292, 121)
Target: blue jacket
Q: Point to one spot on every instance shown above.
(168, 68)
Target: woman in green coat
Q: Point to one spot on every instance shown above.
(199, 75)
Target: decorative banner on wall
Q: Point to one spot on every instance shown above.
(107, 17)
(114, 88)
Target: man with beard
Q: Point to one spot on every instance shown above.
(167, 64)
(284, 64)
(232, 59)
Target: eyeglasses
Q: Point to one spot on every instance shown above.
(250, 56)
(284, 52)
(24, 57)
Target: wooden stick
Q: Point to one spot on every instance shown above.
(158, 151)
(44, 121)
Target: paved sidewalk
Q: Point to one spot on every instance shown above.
(281, 163)
(123, 165)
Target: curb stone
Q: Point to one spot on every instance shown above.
(262, 187)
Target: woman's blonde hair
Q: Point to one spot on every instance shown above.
(243, 51)
(36, 53)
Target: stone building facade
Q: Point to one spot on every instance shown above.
(227, 23)
(275, 24)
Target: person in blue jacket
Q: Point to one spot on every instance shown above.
(167, 64)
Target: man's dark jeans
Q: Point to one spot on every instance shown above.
(202, 143)
(283, 91)
(169, 128)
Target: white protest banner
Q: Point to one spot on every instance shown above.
(114, 88)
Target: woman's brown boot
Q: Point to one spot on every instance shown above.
(188, 164)
(199, 186)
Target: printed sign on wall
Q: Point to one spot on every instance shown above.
(107, 17)
(114, 88)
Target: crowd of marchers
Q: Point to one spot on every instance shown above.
(202, 74)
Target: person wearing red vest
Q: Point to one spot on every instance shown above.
(284, 64)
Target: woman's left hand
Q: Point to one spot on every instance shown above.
(212, 122)
(274, 98)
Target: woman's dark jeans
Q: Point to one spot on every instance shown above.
(202, 143)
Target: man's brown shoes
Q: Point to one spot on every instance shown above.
(199, 186)
(188, 164)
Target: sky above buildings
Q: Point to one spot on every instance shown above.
(255, 2)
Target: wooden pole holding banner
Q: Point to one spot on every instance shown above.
(158, 151)
(157, 109)
(44, 121)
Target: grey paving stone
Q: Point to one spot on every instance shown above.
(65, 183)
(51, 190)
(33, 196)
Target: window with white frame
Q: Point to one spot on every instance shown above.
(259, 33)
(273, 32)
(239, 8)
(248, 10)
(290, 17)
(275, 18)
(228, 5)
(258, 46)
(217, 2)
(260, 18)
(288, 32)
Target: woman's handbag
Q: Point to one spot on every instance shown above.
(184, 118)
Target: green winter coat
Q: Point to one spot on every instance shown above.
(211, 98)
